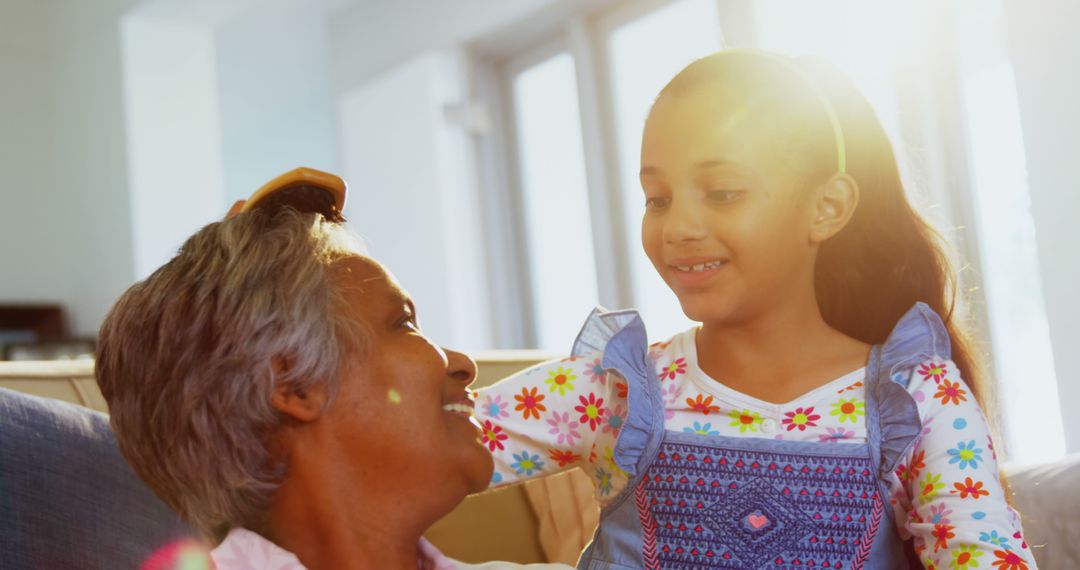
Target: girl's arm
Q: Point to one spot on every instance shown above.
(949, 483)
(553, 417)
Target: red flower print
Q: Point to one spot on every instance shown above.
(801, 419)
(564, 458)
(1007, 560)
(911, 472)
(703, 405)
(493, 436)
(620, 389)
(950, 392)
(942, 532)
(673, 369)
(972, 488)
(918, 463)
(935, 370)
(592, 410)
(529, 403)
(1018, 536)
(850, 388)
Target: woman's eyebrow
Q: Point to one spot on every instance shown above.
(401, 300)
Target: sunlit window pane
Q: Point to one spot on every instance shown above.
(1022, 355)
(552, 170)
(645, 54)
(857, 36)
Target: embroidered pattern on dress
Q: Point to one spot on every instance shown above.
(730, 508)
(648, 529)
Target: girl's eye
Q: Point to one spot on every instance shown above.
(724, 195)
(654, 204)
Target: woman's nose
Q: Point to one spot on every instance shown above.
(460, 367)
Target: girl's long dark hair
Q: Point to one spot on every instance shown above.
(888, 257)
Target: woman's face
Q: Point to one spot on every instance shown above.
(403, 413)
(724, 225)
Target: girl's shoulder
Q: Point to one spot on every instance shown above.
(919, 335)
(680, 345)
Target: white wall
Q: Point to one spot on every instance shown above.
(89, 157)
(1044, 44)
(277, 110)
(64, 208)
(372, 37)
(220, 98)
(79, 221)
(173, 135)
(29, 246)
(413, 193)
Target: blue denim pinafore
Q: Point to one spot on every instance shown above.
(697, 501)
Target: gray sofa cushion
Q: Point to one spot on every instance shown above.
(67, 497)
(1047, 498)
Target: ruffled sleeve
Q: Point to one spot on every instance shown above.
(918, 335)
(581, 411)
(625, 352)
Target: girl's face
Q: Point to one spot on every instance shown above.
(725, 223)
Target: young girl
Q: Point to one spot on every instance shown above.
(819, 416)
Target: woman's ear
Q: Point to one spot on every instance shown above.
(834, 203)
(300, 404)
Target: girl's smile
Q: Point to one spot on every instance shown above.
(692, 272)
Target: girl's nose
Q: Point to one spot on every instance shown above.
(684, 222)
(460, 367)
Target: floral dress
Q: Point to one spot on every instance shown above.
(614, 407)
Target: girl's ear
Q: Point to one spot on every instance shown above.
(300, 404)
(834, 204)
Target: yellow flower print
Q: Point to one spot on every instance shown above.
(745, 420)
(930, 485)
(965, 557)
(609, 457)
(848, 410)
(561, 380)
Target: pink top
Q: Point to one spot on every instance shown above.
(246, 550)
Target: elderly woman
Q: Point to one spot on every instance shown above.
(272, 385)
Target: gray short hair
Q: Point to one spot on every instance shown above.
(186, 359)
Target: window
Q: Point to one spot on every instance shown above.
(1023, 361)
(645, 53)
(551, 175)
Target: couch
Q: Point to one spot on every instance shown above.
(68, 500)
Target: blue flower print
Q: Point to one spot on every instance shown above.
(996, 539)
(526, 464)
(966, 455)
(700, 429)
(603, 482)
